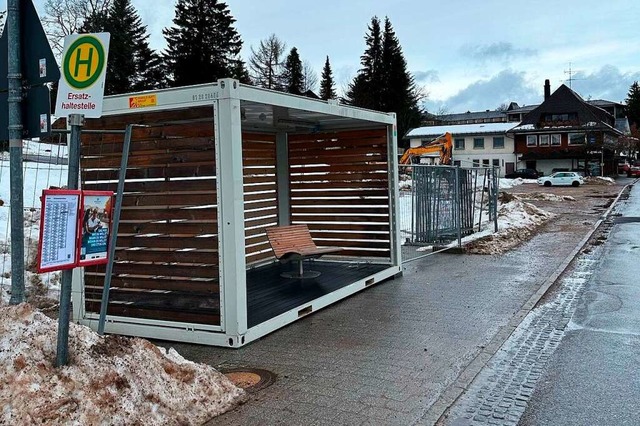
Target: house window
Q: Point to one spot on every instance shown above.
(496, 162)
(532, 140)
(556, 140)
(485, 162)
(478, 143)
(459, 143)
(498, 142)
(476, 163)
(576, 138)
(544, 140)
(562, 118)
(457, 163)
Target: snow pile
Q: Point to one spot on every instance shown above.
(510, 183)
(599, 180)
(109, 380)
(517, 221)
(544, 196)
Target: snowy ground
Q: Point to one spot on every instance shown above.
(118, 380)
(36, 177)
(110, 380)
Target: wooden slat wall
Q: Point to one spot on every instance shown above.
(167, 249)
(260, 195)
(339, 188)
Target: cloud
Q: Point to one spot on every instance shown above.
(429, 76)
(607, 83)
(501, 50)
(506, 86)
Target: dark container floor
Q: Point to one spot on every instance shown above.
(269, 294)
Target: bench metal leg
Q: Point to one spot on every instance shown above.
(301, 274)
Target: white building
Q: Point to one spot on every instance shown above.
(482, 144)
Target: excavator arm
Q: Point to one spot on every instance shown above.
(442, 145)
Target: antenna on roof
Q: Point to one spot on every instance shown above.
(571, 73)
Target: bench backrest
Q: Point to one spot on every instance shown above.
(291, 238)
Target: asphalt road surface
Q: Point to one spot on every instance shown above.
(573, 359)
(593, 376)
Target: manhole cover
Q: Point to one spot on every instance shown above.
(250, 379)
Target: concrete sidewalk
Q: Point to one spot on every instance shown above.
(394, 353)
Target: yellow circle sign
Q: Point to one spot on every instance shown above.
(84, 62)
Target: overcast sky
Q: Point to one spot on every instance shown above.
(466, 54)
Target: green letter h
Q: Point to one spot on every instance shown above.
(86, 62)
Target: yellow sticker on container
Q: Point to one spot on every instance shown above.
(143, 101)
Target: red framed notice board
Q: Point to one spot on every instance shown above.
(58, 243)
(95, 227)
(74, 229)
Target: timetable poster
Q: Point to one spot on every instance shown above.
(57, 246)
(95, 226)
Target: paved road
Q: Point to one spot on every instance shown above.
(559, 362)
(397, 353)
(593, 378)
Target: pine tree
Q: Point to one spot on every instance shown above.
(151, 71)
(398, 90)
(265, 63)
(383, 83)
(327, 85)
(633, 104)
(203, 45)
(364, 91)
(292, 77)
(239, 72)
(132, 65)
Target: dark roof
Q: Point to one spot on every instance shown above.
(523, 109)
(565, 100)
(604, 103)
(480, 115)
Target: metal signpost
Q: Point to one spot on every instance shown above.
(26, 61)
(80, 94)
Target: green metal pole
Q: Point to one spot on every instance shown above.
(76, 121)
(14, 77)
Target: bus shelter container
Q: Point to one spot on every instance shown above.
(210, 168)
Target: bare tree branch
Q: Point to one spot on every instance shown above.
(309, 77)
(65, 17)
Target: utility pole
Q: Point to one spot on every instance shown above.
(14, 77)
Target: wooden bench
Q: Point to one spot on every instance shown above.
(294, 243)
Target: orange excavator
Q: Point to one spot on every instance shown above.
(442, 145)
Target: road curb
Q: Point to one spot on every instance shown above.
(451, 394)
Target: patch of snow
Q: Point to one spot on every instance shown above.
(517, 221)
(544, 196)
(525, 127)
(461, 129)
(505, 183)
(599, 180)
(109, 380)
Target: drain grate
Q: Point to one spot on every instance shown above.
(250, 379)
(626, 219)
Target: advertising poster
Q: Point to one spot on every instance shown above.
(58, 230)
(95, 227)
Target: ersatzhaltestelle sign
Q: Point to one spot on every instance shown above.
(84, 66)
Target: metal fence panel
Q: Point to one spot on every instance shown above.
(442, 204)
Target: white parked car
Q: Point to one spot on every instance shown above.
(561, 178)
